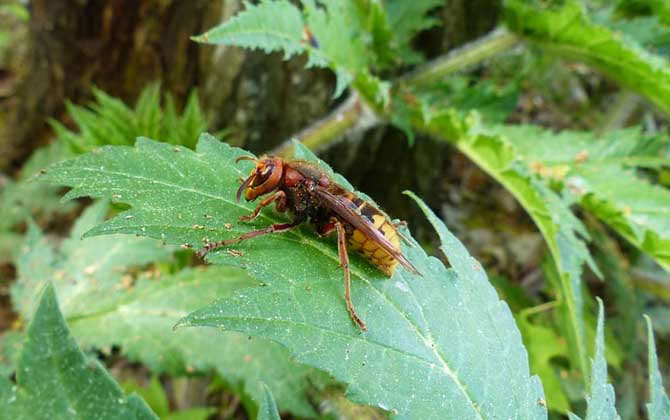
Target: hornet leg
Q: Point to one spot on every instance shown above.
(344, 263)
(276, 228)
(279, 195)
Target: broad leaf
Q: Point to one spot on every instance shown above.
(79, 269)
(55, 379)
(550, 212)
(632, 206)
(658, 407)
(438, 344)
(566, 31)
(107, 306)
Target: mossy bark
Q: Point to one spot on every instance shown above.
(119, 46)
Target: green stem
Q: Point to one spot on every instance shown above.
(471, 53)
(326, 130)
(355, 111)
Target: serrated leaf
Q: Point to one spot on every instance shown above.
(636, 209)
(408, 18)
(106, 306)
(109, 120)
(270, 26)
(23, 199)
(413, 360)
(567, 31)
(658, 407)
(600, 402)
(82, 269)
(336, 40)
(55, 379)
(493, 102)
(268, 408)
(550, 212)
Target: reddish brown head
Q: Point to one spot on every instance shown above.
(264, 178)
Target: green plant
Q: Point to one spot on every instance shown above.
(55, 379)
(441, 343)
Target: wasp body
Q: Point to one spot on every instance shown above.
(311, 195)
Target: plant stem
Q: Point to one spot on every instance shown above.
(351, 114)
(471, 53)
(354, 113)
(539, 308)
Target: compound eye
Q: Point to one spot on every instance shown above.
(263, 175)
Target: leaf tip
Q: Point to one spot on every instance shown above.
(202, 38)
(180, 324)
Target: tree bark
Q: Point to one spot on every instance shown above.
(119, 46)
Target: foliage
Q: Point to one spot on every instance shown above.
(407, 331)
(268, 409)
(586, 165)
(110, 121)
(56, 380)
(107, 305)
(548, 210)
(659, 403)
(157, 400)
(601, 399)
(567, 31)
(24, 199)
(414, 361)
(350, 37)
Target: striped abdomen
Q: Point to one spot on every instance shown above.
(370, 249)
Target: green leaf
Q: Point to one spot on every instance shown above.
(632, 206)
(24, 199)
(658, 407)
(550, 211)
(268, 408)
(338, 38)
(647, 31)
(10, 347)
(270, 26)
(413, 360)
(408, 18)
(493, 102)
(55, 379)
(110, 121)
(543, 344)
(80, 269)
(567, 31)
(600, 403)
(106, 306)
(660, 8)
(154, 395)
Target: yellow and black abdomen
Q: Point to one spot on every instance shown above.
(370, 249)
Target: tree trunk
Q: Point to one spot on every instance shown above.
(119, 46)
